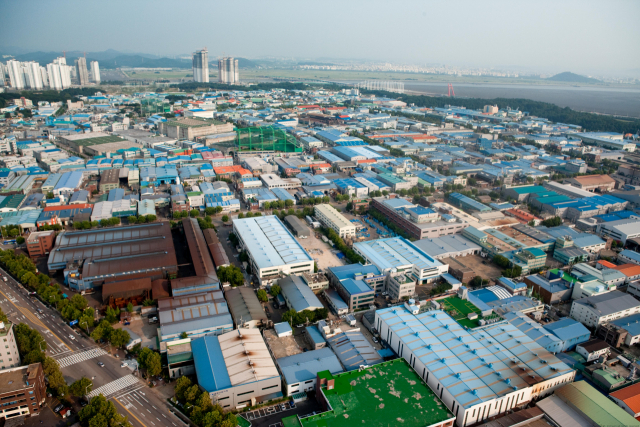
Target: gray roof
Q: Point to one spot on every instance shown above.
(445, 245)
(609, 303)
(305, 366)
(298, 225)
(243, 304)
(299, 295)
(353, 350)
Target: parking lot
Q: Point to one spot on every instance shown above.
(268, 417)
(321, 252)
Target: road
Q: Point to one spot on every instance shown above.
(79, 356)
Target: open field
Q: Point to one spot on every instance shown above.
(486, 271)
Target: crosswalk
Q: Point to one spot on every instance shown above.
(80, 357)
(115, 386)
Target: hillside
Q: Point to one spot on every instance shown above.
(572, 78)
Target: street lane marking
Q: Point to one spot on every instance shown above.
(37, 321)
(130, 413)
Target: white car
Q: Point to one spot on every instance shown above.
(123, 364)
(72, 337)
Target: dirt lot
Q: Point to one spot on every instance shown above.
(141, 327)
(325, 259)
(486, 271)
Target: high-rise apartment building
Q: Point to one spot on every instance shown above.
(65, 71)
(83, 73)
(201, 66)
(55, 78)
(33, 76)
(44, 76)
(16, 74)
(228, 71)
(95, 72)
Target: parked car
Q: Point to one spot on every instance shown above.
(101, 364)
(58, 408)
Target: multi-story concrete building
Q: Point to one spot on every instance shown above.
(228, 71)
(23, 391)
(193, 127)
(81, 71)
(331, 218)
(356, 284)
(40, 243)
(95, 72)
(201, 66)
(9, 356)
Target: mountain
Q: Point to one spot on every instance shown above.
(242, 63)
(572, 78)
(108, 59)
(141, 61)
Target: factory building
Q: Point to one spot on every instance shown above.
(272, 249)
(331, 218)
(478, 373)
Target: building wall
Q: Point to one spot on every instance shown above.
(245, 394)
(40, 244)
(25, 401)
(590, 318)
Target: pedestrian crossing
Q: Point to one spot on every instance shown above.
(114, 386)
(80, 357)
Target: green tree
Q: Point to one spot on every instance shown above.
(150, 361)
(19, 240)
(552, 222)
(262, 295)
(132, 219)
(119, 338)
(130, 307)
(81, 387)
(275, 290)
(225, 218)
(182, 385)
(101, 412)
(184, 335)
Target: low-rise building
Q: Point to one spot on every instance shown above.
(606, 307)
(298, 295)
(299, 372)
(236, 369)
(40, 243)
(356, 284)
(593, 349)
(628, 398)
(245, 308)
(331, 218)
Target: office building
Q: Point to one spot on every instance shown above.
(228, 71)
(40, 243)
(602, 308)
(331, 218)
(81, 71)
(272, 249)
(357, 284)
(95, 72)
(478, 373)
(236, 369)
(200, 64)
(23, 391)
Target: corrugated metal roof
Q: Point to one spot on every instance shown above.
(305, 366)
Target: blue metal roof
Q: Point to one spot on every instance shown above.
(632, 255)
(209, 362)
(335, 299)
(282, 328)
(305, 366)
(630, 323)
(567, 328)
(315, 335)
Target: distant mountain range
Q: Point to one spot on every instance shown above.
(572, 78)
(111, 59)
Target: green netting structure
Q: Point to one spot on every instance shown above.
(459, 310)
(266, 139)
(150, 106)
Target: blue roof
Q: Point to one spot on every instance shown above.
(567, 328)
(209, 362)
(315, 335)
(305, 366)
(335, 299)
(354, 287)
(344, 272)
(282, 328)
(630, 323)
(631, 254)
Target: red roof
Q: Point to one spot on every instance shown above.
(65, 207)
(607, 264)
(366, 161)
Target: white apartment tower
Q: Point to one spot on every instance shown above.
(16, 74)
(65, 71)
(201, 66)
(95, 72)
(32, 72)
(55, 79)
(44, 76)
(83, 73)
(228, 71)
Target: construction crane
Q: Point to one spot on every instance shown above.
(451, 92)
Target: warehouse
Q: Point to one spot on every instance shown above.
(331, 218)
(451, 246)
(193, 127)
(298, 226)
(219, 255)
(602, 308)
(236, 369)
(96, 143)
(90, 256)
(196, 315)
(109, 180)
(272, 249)
(68, 183)
(21, 184)
(298, 295)
(479, 373)
(245, 308)
(126, 289)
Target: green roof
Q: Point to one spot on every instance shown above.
(204, 122)
(387, 394)
(13, 201)
(242, 422)
(180, 357)
(98, 140)
(536, 252)
(594, 405)
(526, 189)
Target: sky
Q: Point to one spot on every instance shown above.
(586, 37)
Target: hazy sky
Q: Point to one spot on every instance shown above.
(559, 35)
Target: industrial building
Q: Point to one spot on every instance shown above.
(218, 254)
(40, 243)
(236, 369)
(89, 257)
(272, 249)
(196, 315)
(573, 332)
(245, 308)
(398, 255)
(299, 228)
(602, 308)
(297, 295)
(331, 218)
(593, 183)
(299, 371)
(96, 143)
(409, 402)
(193, 127)
(357, 284)
(478, 373)
(452, 246)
